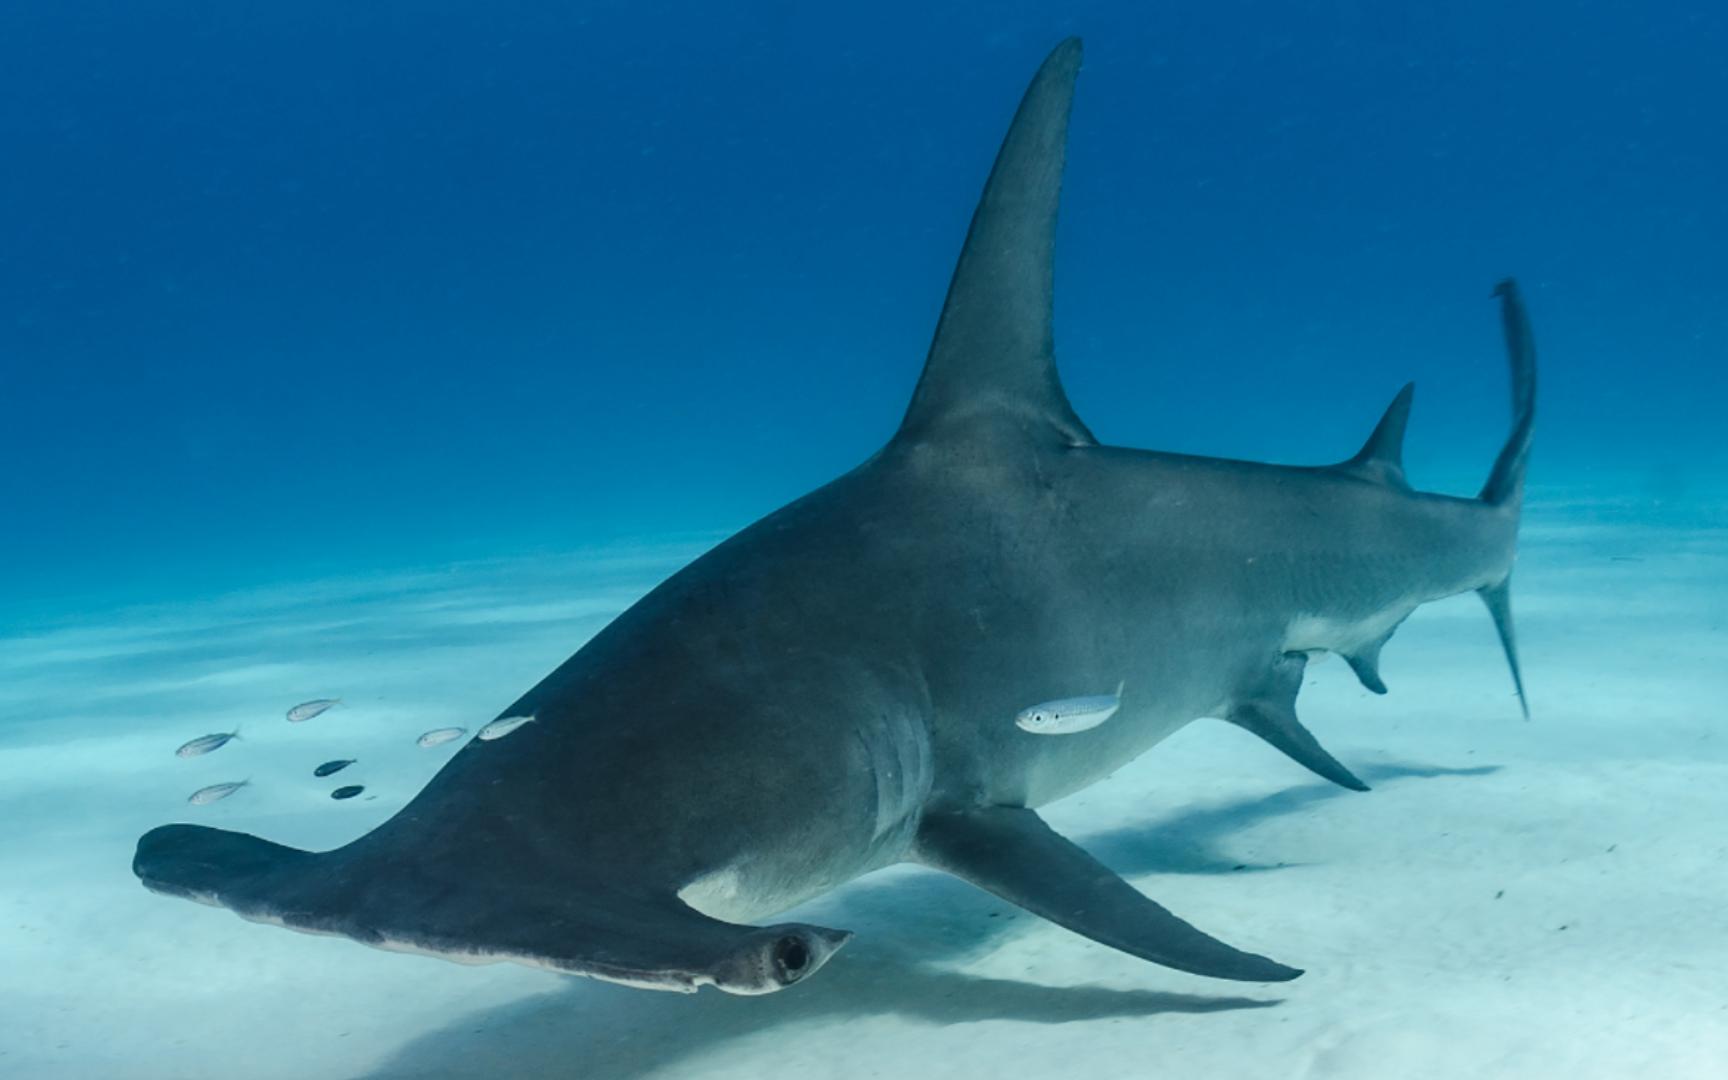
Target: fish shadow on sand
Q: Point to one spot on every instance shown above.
(1191, 841)
(910, 926)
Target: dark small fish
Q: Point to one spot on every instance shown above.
(333, 767)
(347, 792)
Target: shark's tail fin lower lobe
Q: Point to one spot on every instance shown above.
(1505, 487)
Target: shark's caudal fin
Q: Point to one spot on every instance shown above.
(993, 357)
(1505, 487)
(1506, 483)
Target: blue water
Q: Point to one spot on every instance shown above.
(389, 349)
(310, 287)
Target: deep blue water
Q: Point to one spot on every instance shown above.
(301, 287)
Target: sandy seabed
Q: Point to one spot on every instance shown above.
(1511, 900)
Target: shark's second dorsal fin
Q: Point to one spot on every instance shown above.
(993, 356)
(1381, 458)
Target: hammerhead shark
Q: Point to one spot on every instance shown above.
(833, 689)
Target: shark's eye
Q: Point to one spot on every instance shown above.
(792, 956)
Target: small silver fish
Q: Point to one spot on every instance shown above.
(1068, 715)
(203, 744)
(306, 710)
(440, 736)
(503, 726)
(206, 795)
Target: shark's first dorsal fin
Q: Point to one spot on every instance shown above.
(993, 354)
(1381, 458)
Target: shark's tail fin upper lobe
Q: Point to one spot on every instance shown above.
(1505, 487)
(1506, 483)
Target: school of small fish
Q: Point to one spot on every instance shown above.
(306, 710)
(1065, 716)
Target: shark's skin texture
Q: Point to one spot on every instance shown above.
(833, 689)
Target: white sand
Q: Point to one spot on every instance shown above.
(1512, 900)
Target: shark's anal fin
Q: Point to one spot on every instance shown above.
(1011, 852)
(1364, 660)
(1270, 712)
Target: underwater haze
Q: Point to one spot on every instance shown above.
(386, 352)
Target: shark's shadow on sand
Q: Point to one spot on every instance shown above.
(910, 926)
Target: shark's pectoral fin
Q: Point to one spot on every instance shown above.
(1011, 852)
(1271, 714)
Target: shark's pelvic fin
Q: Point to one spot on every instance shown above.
(993, 356)
(1381, 458)
(1270, 712)
(1011, 852)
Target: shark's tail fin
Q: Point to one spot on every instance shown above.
(1505, 487)
(1506, 483)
